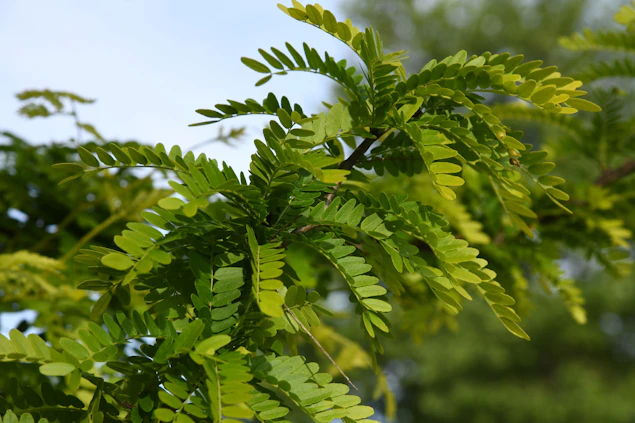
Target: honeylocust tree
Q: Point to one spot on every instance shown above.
(232, 268)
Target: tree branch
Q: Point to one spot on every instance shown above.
(348, 164)
(351, 161)
(614, 175)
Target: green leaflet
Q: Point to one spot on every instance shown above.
(62, 405)
(266, 267)
(56, 369)
(117, 261)
(188, 337)
(255, 65)
(210, 345)
(425, 142)
(227, 384)
(353, 269)
(306, 387)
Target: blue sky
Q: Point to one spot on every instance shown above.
(150, 64)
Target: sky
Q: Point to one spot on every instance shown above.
(150, 64)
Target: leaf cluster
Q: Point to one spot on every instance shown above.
(221, 298)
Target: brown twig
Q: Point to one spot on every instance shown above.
(304, 229)
(319, 345)
(614, 175)
(328, 198)
(282, 228)
(348, 164)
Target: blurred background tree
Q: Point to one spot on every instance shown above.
(433, 29)
(570, 371)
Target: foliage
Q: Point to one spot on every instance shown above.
(201, 307)
(594, 154)
(601, 200)
(42, 224)
(40, 219)
(435, 28)
(582, 373)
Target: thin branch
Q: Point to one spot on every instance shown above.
(350, 162)
(614, 175)
(305, 229)
(328, 198)
(359, 152)
(227, 117)
(345, 165)
(319, 345)
(133, 167)
(286, 225)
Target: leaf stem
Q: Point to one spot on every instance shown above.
(319, 345)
